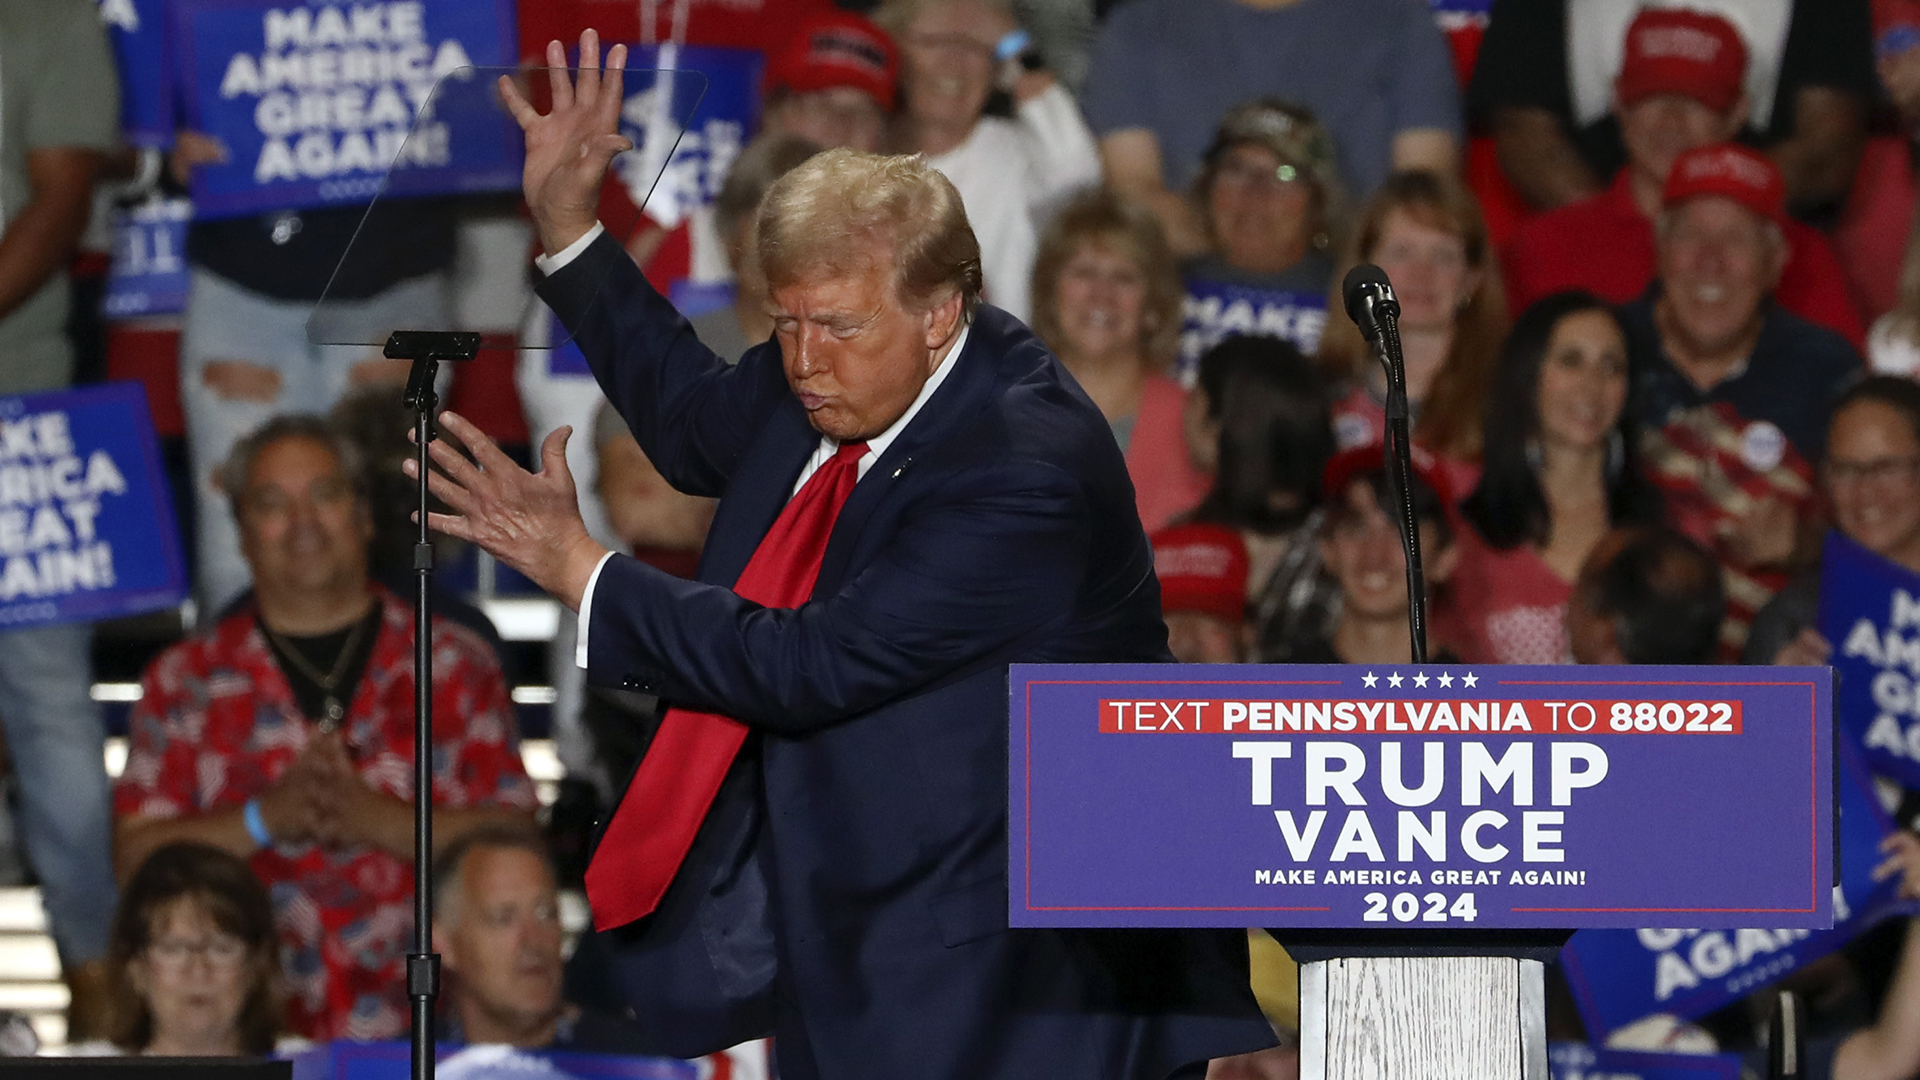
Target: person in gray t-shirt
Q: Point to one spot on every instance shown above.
(59, 116)
(1377, 73)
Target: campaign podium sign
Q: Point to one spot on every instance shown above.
(1429, 797)
(86, 524)
(393, 1061)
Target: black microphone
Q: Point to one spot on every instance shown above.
(1370, 299)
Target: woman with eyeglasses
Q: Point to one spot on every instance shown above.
(1012, 171)
(1872, 477)
(193, 958)
(1425, 230)
(1270, 195)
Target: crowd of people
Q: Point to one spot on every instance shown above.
(1660, 320)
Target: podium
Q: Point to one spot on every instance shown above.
(1422, 838)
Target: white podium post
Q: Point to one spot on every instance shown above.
(1430, 1018)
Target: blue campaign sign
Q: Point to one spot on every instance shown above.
(86, 524)
(1217, 310)
(727, 114)
(1870, 613)
(392, 1061)
(1578, 1061)
(1428, 797)
(314, 101)
(143, 55)
(1620, 976)
(148, 274)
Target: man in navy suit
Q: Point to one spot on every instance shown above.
(848, 890)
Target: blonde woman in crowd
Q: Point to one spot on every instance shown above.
(1107, 301)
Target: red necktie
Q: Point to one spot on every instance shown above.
(679, 776)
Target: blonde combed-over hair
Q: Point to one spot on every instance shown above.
(842, 210)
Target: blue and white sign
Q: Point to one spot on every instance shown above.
(1578, 1061)
(86, 524)
(149, 275)
(144, 56)
(1620, 976)
(1870, 614)
(709, 136)
(315, 101)
(1420, 796)
(1217, 310)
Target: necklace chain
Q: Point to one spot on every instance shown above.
(332, 678)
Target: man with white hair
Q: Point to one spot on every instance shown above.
(913, 494)
(1733, 391)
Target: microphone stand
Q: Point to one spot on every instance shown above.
(1399, 455)
(426, 349)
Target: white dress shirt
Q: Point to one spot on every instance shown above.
(876, 446)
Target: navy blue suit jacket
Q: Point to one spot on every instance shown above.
(850, 887)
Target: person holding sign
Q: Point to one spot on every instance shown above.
(1872, 474)
(59, 114)
(1269, 191)
(913, 494)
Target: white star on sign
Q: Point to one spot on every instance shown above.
(1369, 679)
(1446, 679)
(1469, 680)
(1393, 680)
(1420, 680)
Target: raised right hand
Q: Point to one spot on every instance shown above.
(569, 148)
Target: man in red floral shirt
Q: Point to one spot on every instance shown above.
(284, 733)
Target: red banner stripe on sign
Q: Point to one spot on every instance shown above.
(1432, 717)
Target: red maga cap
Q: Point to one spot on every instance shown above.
(1202, 568)
(1683, 52)
(1740, 173)
(839, 49)
(1372, 457)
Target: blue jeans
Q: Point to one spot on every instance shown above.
(226, 321)
(55, 736)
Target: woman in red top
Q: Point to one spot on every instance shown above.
(1106, 299)
(1560, 470)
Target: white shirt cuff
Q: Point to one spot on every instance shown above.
(551, 264)
(586, 605)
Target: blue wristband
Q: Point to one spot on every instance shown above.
(1013, 44)
(256, 825)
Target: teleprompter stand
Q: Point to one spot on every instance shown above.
(463, 140)
(426, 349)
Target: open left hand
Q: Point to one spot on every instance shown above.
(530, 521)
